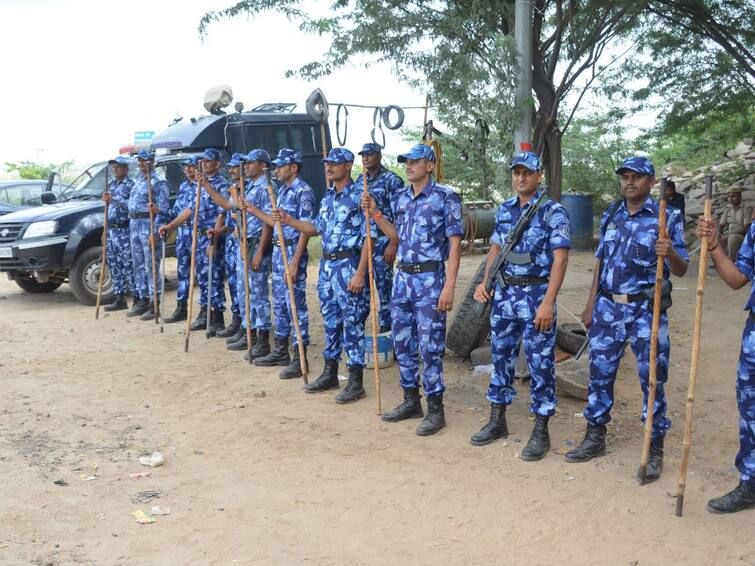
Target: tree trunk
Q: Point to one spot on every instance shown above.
(552, 162)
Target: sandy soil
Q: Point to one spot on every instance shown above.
(257, 472)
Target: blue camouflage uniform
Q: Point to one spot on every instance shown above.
(514, 307)
(118, 246)
(745, 460)
(297, 200)
(383, 188)
(424, 224)
(628, 266)
(208, 214)
(186, 192)
(231, 250)
(139, 227)
(259, 288)
(341, 224)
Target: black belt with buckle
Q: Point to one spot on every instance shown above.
(524, 281)
(340, 254)
(138, 215)
(118, 225)
(276, 242)
(420, 267)
(186, 224)
(624, 299)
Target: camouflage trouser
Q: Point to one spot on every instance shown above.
(612, 326)
(511, 321)
(202, 270)
(745, 460)
(259, 291)
(183, 268)
(343, 312)
(419, 329)
(119, 261)
(230, 254)
(383, 280)
(141, 253)
(281, 301)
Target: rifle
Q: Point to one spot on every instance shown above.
(495, 273)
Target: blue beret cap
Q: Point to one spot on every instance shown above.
(190, 160)
(210, 154)
(287, 156)
(528, 159)
(370, 148)
(145, 155)
(419, 151)
(258, 155)
(641, 165)
(235, 160)
(339, 155)
(120, 160)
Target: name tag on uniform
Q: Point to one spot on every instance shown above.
(611, 227)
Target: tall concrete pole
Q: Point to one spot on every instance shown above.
(523, 37)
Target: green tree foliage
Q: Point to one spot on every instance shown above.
(34, 170)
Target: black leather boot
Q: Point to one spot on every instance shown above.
(179, 314)
(410, 408)
(293, 369)
(238, 345)
(435, 418)
(261, 347)
(354, 389)
(540, 441)
(740, 498)
(278, 357)
(495, 429)
(119, 303)
(655, 460)
(217, 323)
(149, 314)
(200, 323)
(594, 444)
(236, 337)
(139, 307)
(328, 379)
(232, 328)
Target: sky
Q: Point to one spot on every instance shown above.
(81, 76)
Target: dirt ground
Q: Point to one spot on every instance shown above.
(257, 472)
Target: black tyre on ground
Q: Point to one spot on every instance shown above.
(570, 336)
(468, 329)
(84, 278)
(31, 285)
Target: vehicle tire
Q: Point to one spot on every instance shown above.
(570, 336)
(84, 278)
(468, 330)
(31, 285)
(482, 356)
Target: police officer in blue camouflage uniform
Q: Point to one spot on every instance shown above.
(208, 214)
(737, 275)
(619, 308)
(524, 306)
(186, 192)
(118, 247)
(296, 199)
(259, 250)
(226, 226)
(383, 185)
(428, 225)
(141, 250)
(341, 281)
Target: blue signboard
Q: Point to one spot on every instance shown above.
(143, 137)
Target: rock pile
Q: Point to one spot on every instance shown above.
(736, 170)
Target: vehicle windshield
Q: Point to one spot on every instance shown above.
(89, 184)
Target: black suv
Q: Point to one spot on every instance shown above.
(44, 246)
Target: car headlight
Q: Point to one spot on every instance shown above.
(37, 229)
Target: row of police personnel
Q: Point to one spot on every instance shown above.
(419, 227)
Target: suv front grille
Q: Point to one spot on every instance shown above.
(9, 232)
